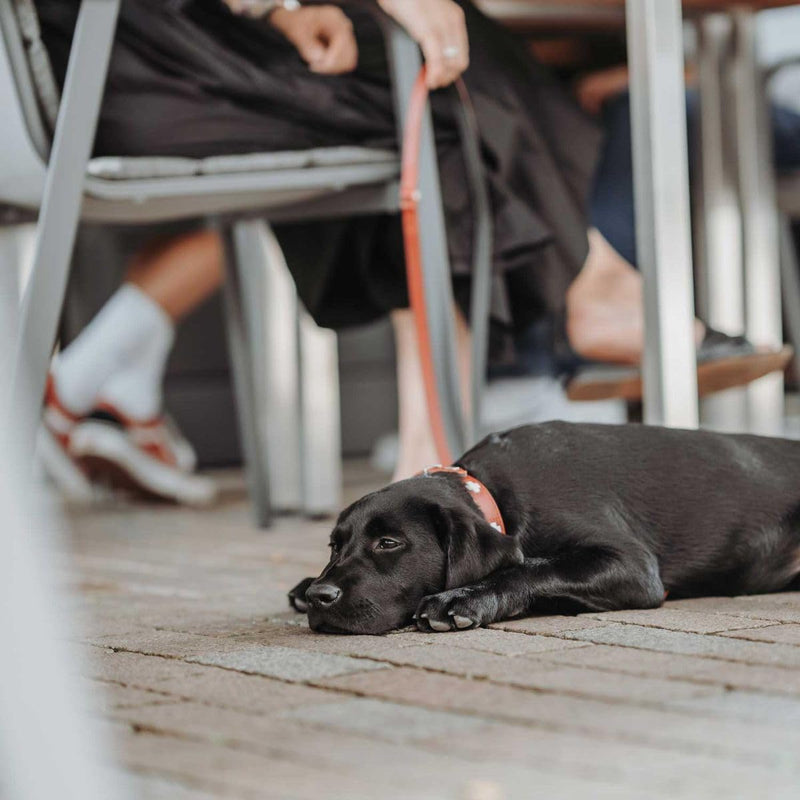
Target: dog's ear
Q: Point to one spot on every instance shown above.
(472, 547)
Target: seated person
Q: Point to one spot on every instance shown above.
(201, 78)
(604, 93)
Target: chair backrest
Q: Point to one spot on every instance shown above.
(26, 102)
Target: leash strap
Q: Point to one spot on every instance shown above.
(409, 205)
(480, 495)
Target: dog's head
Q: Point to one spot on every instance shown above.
(394, 547)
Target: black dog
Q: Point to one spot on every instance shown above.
(598, 518)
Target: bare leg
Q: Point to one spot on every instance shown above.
(180, 273)
(416, 449)
(605, 317)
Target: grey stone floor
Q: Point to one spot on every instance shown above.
(210, 688)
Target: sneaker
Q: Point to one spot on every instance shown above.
(52, 448)
(150, 458)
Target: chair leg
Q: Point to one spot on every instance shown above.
(320, 430)
(274, 303)
(240, 324)
(790, 284)
(58, 218)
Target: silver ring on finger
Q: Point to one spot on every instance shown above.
(451, 52)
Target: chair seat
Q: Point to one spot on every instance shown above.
(150, 189)
(137, 168)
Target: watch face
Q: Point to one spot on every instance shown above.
(258, 8)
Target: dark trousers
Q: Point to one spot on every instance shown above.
(611, 207)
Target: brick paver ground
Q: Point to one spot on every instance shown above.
(211, 688)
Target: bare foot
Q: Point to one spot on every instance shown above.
(605, 314)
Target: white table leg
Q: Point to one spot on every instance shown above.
(722, 277)
(661, 174)
(760, 221)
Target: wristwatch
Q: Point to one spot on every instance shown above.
(263, 8)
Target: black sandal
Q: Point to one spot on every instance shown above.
(722, 362)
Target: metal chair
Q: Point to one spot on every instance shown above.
(237, 194)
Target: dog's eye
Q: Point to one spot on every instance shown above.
(387, 544)
(334, 546)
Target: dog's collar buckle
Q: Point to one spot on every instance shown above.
(480, 495)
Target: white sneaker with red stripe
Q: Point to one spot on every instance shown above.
(148, 457)
(52, 448)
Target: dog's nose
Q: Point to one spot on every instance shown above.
(323, 594)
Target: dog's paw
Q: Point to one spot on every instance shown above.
(297, 597)
(455, 609)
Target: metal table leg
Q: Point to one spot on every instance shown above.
(655, 48)
(760, 221)
(722, 277)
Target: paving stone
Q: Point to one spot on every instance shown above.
(670, 665)
(149, 787)
(285, 663)
(107, 696)
(156, 642)
(783, 607)
(297, 759)
(397, 723)
(134, 669)
(770, 709)
(675, 619)
(679, 732)
(502, 642)
(406, 683)
(548, 626)
(226, 772)
(788, 633)
(469, 663)
(224, 688)
(691, 644)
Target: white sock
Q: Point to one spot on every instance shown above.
(137, 390)
(130, 328)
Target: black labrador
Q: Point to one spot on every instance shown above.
(598, 518)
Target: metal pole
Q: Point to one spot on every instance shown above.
(760, 222)
(723, 274)
(661, 182)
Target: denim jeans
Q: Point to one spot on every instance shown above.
(611, 205)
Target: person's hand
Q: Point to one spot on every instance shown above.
(323, 35)
(594, 89)
(441, 31)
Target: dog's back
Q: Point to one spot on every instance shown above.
(721, 512)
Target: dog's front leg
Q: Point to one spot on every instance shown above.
(595, 582)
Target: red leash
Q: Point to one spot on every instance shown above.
(409, 205)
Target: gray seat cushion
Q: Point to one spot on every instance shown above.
(138, 168)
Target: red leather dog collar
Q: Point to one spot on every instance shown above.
(480, 495)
